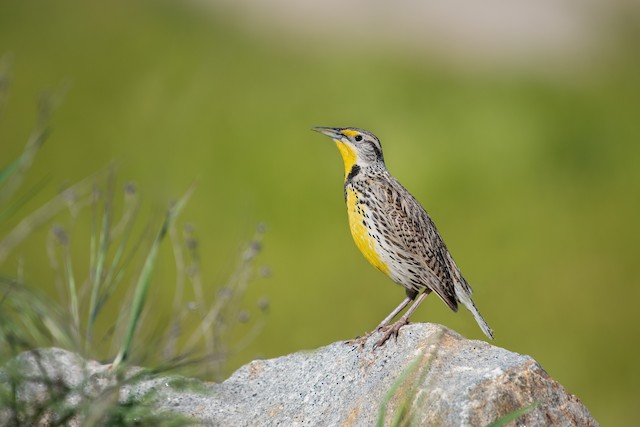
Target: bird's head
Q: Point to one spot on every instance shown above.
(357, 147)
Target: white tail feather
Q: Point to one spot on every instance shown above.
(465, 299)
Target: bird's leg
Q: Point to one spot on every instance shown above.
(411, 295)
(392, 330)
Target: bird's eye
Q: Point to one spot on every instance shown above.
(358, 138)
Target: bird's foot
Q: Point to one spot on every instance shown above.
(360, 341)
(391, 331)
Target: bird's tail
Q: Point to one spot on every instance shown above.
(465, 298)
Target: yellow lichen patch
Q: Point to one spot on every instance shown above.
(349, 132)
(360, 232)
(349, 156)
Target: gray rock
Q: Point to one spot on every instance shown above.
(429, 376)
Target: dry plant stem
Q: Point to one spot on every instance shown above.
(196, 284)
(120, 233)
(73, 294)
(5, 78)
(180, 270)
(177, 315)
(236, 286)
(251, 336)
(39, 217)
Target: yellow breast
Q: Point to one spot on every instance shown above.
(361, 234)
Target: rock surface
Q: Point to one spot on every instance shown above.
(429, 376)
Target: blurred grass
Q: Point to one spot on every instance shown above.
(29, 321)
(533, 181)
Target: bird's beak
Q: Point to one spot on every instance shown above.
(334, 133)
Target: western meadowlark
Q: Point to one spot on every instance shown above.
(394, 232)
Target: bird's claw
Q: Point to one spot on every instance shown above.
(390, 331)
(359, 341)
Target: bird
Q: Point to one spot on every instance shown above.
(395, 233)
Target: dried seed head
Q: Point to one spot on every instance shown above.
(69, 195)
(265, 271)
(224, 292)
(60, 235)
(192, 243)
(243, 316)
(96, 194)
(189, 228)
(130, 188)
(263, 304)
(193, 270)
(254, 248)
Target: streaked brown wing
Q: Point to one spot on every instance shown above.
(414, 230)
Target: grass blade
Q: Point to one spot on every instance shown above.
(100, 255)
(512, 416)
(144, 280)
(410, 371)
(12, 175)
(73, 294)
(15, 205)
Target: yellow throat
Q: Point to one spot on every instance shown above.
(349, 156)
(358, 213)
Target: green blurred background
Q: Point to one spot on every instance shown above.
(523, 147)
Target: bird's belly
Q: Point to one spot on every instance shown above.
(364, 232)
